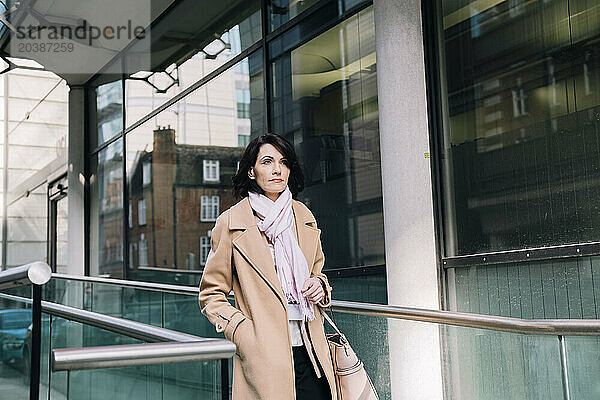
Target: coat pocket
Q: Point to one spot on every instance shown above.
(243, 337)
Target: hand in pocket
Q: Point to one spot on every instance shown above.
(243, 336)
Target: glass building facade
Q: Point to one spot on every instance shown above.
(159, 184)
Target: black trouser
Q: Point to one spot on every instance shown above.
(308, 386)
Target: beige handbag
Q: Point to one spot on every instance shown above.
(351, 379)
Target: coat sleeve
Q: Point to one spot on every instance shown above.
(217, 281)
(316, 272)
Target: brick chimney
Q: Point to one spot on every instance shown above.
(164, 144)
(164, 164)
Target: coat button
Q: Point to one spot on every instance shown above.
(219, 327)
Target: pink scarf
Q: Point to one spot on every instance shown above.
(292, 269)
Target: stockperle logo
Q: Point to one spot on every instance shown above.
(111, 36)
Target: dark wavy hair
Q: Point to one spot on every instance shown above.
(242, 184)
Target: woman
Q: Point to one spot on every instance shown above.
(267, 248)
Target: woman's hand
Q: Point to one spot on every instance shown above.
(313, 290)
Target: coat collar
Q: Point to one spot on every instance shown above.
(250, 243)
(242, 216)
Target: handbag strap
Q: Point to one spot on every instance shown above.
(333, 325)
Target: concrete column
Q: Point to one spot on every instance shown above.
(412, 274)
(76, 181)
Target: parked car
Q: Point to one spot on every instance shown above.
(14, 324)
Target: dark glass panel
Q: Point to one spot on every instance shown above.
(521, 149)
(325, 103)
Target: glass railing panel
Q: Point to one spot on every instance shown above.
(179, 312)
(44, 358)
(368, 336)
(140, 305)
(194, 380)
(21, 291)
(69, 334)
(112, 383)
(483, 364)
(71, 293)
(583, 367)
(184, 315)
(15, 328)
(476, 364)
(134, 304)
(181, 381)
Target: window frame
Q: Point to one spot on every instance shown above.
(209, 208)
(142, 217)
(143, 241)
(204, 247)
(146, 173)
(207, 171)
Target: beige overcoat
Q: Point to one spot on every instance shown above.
(240, 259)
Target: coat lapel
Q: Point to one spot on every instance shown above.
(251, 243)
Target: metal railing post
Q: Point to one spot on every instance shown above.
(36, 338)
(563, 368)
(225, 379)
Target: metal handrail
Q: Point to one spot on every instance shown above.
(554, 327)
(157, 287)
(566, 327)
(37, 273)
(140, 354)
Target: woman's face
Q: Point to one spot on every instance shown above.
(271, 171)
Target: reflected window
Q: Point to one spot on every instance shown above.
(209, 208)
(190, 261)
(142, 212)
(143, 251)
(204, 249)
(146, 173)
(587, 73)
(243, 103)
(281, 11)
(554, 95)
(130, 216)
(211, 170)
(109, 103)
(519, 100)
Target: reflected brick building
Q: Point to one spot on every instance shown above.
(176, 193)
